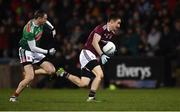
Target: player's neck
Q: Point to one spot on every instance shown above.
(35, 22)
(109, 27)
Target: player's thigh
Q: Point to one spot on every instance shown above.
(98, 72)
(85, 80)
(48, 66)
(29, 71)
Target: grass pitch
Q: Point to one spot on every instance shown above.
(75, 99)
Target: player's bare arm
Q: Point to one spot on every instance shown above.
(95, 43)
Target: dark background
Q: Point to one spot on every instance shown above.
(150, 28)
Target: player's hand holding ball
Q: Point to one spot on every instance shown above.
(109, 49)
(51, 51)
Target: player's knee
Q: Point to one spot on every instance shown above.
(51, 70)
(98, 78)
(83, 84)
(29, 77)
(100, 75)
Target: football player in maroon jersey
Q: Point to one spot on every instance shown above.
(90, 66)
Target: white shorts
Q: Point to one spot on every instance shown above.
(29, 56)
(85, 57)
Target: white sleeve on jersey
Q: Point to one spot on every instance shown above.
(49, 24)
(34, 48)
(52, 28)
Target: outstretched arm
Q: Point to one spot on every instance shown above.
(51, 27)
(34, 48)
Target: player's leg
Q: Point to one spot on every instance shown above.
(86, 59)
(40, 71)
(81, 82)
(46, 68)
(99, 76)
(97, 71)
(92, 70)
(89, 61)
(29, 76)
(26, 59)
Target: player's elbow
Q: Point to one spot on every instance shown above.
(29, 78)
(33, 48)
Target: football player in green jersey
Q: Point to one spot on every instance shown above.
(30, 53)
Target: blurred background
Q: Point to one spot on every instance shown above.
(148, 44)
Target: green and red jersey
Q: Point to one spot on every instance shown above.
(31, 32)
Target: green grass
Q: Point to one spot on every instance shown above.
(74, 99)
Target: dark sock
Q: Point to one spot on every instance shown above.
(92, 93)
(66, 75)
(15, 94)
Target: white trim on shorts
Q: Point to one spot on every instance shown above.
(29, 56)
(85, 57)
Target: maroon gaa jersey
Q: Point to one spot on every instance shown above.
(105, 36)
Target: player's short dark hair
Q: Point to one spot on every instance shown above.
(113, 16)
(39, 13)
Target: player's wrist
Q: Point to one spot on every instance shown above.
(48, 51)
(102, 53)
(51, 51)
(53, 29)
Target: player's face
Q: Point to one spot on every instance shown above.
(116, 24)
(42, 20)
